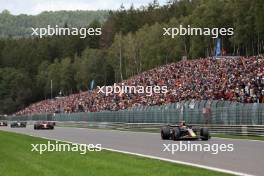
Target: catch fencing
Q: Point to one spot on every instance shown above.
(193, 112)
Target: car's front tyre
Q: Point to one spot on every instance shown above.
(204, 134)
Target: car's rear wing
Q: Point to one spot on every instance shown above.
(176, 125)
(173, 125)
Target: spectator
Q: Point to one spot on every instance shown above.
(239, 80)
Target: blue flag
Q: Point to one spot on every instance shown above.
(92, 84)
(218, 47)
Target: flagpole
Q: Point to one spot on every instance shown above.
(50, 89)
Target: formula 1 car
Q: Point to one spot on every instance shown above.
(184, 132)
(44, 125)
(3, 123)
(18, 124)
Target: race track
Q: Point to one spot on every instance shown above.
(247, 157)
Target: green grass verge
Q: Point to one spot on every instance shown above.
(18, 160)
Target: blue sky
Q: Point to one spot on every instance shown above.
(36, 6)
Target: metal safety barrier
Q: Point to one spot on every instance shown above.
(219, 116)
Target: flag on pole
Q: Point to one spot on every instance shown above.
(218, 47)
(92, 84)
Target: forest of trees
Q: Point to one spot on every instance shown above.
(131, 42)
(20, 25)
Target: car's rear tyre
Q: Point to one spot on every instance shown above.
(165, 133)
(204, 133)
(176, 134)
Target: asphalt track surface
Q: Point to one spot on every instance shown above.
(246, 159)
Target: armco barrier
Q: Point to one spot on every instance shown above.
(222, 116)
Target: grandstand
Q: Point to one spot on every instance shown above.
(231, 79)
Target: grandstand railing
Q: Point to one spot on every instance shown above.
(194, 112)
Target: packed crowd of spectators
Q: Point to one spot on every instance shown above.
(232, 79)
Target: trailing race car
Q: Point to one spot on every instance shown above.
(18, 124)
(3, 123)
(184, 132)
(44, 125)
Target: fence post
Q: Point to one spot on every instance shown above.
(244, 130)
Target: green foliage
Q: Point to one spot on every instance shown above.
(16, 149)
(92, 66)
(20, 25)
(132, 41)
(15, 89)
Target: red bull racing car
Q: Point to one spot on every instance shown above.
(44, 125)
(184, 132)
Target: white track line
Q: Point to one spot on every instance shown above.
(162, 159)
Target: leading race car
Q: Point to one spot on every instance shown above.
(44, 125)
(18, 124)
(184, 132)
(3, 123)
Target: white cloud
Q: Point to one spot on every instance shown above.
(37, 6)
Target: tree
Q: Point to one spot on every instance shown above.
(15, 90)
(67, 83)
